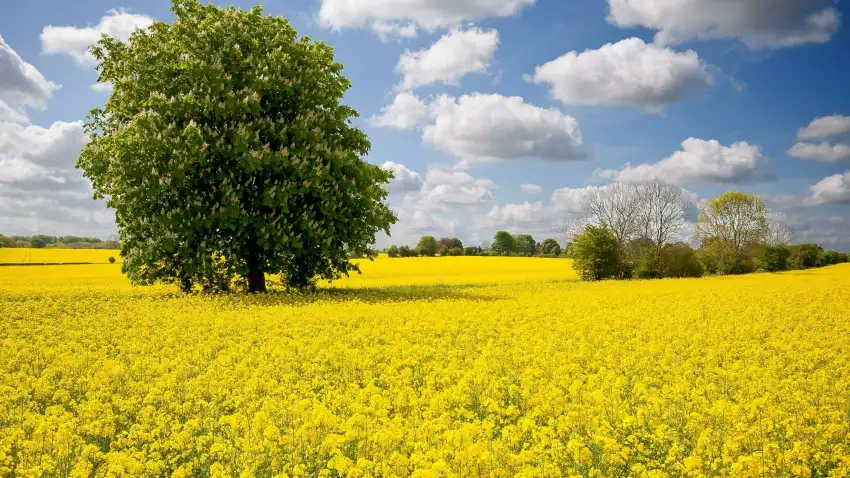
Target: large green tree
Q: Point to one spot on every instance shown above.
(225, 151)
(503, 243)
(427, 246)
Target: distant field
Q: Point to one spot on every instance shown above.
(427, 367)
(57, 255)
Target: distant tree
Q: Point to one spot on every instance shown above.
(828, 258)
(406, 251)
(661, 211)
(550, 247)
(7, 241)
(224, 146)
(444, 250)
(444, 241)
(525, 244)
(597, 254)
(392, 251)
(427, 246)
(767, 258)
(503, 243)
(455, 251)
(46, 239)
(779, 232)
(456, 243)
(642, 259)
(680, 260)
(472, 251)
(38, 243)
(804, 256)
(733, 223)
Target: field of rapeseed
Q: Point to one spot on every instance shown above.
(427, 367)
(96, 256)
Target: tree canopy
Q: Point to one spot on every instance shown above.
(225, 151)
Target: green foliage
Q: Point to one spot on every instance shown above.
(503, 243)
(405, 251)
(456, 243)
(111, 260)
(38, 243)
(568, 251)
(550, 247)
(771, 258)
(427, 246)
(224, 146)
(734, 218)
(392, 251)
(597, 254)
(7, 241)
(804, 256)
(444, 250)
(472, 251)
(455, 251)
(525, 244)
(720, 257)
(680, 260)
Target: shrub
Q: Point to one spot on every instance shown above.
(718, 257)
(503, 243)
(550, 247)
(597, 254)
(427, 246)
(771, 258)
(405, 251)
(392, 251)
(111, 260)
(804, 256)
(472, 251)
(680, 260)
(455, 251)
(444, 251)
(38, 243)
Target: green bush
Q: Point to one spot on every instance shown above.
(406, 251)
(680, 260)
(455, 251)
(111, 260)
(597, 254)
(427, 246)
(392, 251)
(550, 247)
(444, 251)
(771, 258)
(804, 256)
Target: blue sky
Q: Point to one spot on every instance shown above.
(469, 100)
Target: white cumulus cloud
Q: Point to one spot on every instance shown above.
(406, 111)
(830, 190)
(627, 73)
(456, 54)
(491, 127)
(75, 41)
(699, 160)
(825, 126)
(758, 23)
(822, 152)
(21, 85)
(404, 179)
(428, 14)
(532, 189)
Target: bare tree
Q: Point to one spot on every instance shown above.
(661, 211)
(779, 232)
(616, 207)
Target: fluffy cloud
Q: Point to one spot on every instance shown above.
(830, 190)
(387, 31)
(21, 85)
(481, 127)
(75, 41)
(456, 54)
(514, 215)
(699, 161)
(406, 111)
(404, 179)
(381, 15)
(627, 73)
(450, 189)
(822, 152)
(40, 191)
(759, 23)
(825, 127)
(530, 189)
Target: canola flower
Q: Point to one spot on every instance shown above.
(503, 374)
(50, 255)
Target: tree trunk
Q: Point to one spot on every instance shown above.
(256, 281)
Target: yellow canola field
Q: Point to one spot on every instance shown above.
(57, 255)
(507, 374)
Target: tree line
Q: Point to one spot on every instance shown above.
(625, 231)
(504, 244)
(41, 241)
